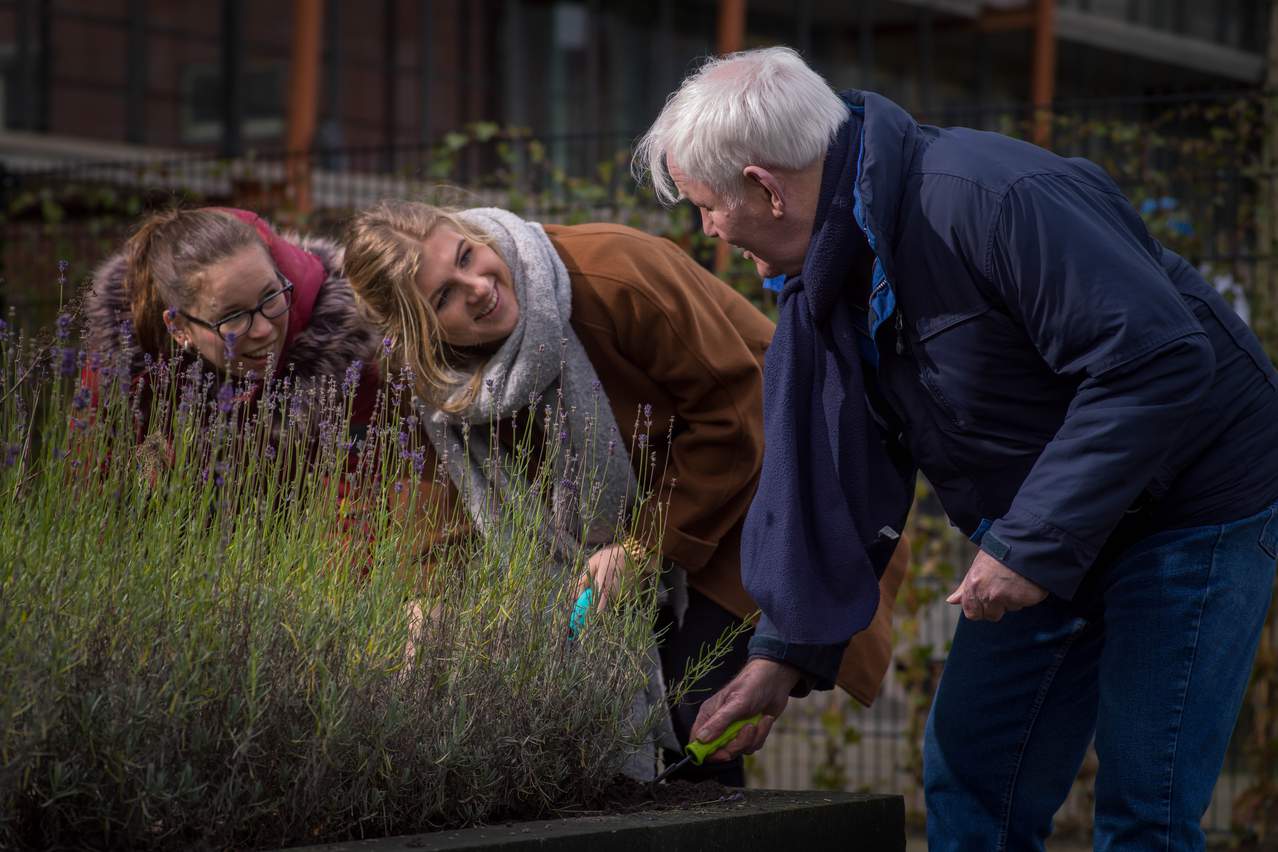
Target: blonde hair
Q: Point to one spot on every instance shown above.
(383, 257)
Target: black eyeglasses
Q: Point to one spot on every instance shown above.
(275, 305)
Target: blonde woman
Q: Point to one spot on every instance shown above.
(492, 312)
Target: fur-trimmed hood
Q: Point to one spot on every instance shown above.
(332, 335)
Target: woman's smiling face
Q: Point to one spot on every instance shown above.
(232, 286)
(468, 286)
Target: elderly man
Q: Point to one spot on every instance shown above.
(1086, 407)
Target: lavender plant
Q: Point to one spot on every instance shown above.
(216, 629)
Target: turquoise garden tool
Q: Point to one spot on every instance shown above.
(697, 751)
(579, 612)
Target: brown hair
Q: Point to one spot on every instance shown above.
(383, 257)
(164, 259)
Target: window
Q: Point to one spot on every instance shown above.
(202, 101)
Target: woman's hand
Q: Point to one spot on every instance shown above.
(605, 572)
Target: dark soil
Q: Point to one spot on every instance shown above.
(625, 795)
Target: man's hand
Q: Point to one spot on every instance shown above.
(763, 686)
(991, 589)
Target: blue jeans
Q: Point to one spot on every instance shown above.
(1155, 667)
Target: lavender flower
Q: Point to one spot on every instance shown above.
(70, 362)
(269, 452)
(63, 326)
(399, 487)
(388, 344)
(647, 411)
(225, 397)
(228, 345)
(351, 379)
(643, 441)
(81, 399)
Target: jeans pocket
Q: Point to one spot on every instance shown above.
(1269, 534)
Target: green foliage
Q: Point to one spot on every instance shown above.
(221, 635)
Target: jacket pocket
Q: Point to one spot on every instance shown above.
(932, 326)
(932, 339)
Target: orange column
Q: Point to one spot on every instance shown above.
(732, 26)
(1044, 72)
(303, 100)
(731, 38)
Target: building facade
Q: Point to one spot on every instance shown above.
(213, 76)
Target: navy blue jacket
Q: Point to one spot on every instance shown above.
(1065, 383)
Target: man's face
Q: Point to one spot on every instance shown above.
(748, 224)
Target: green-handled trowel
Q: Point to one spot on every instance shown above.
(697, 751)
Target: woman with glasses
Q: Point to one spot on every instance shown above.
(222, 287)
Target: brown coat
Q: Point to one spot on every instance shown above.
(663, 332)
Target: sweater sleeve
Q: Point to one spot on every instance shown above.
(1072, 262)
(675, 329)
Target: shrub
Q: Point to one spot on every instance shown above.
(206, 607)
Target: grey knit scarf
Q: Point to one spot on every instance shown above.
(543, 370)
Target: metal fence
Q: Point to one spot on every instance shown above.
(1199, 169)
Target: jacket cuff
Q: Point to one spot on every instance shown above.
(818, 664)
(1039, 552)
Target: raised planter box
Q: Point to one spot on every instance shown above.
(764, 820)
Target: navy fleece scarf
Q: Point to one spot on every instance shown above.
(812, 549)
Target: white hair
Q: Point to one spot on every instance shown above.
(761, 107)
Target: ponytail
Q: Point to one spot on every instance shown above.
(146, 304)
